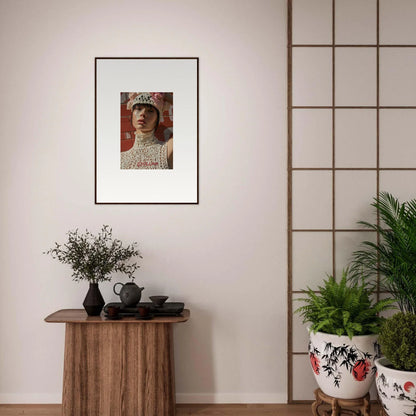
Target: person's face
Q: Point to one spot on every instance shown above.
(144, 118)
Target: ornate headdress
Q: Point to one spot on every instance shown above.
(156, 99)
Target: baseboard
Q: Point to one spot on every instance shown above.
(188, 398)
(30, 398)
(240, 398)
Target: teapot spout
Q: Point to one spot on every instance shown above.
(141, 288)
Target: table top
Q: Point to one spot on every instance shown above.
(79, 316)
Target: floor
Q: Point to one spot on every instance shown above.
(186, 410)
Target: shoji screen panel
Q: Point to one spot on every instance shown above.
(351, 134)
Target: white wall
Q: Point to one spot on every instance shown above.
(225, 258)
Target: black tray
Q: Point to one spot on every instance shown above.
(168, 308)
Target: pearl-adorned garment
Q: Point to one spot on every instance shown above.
(147, 153)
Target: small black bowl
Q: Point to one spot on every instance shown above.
(158, 301)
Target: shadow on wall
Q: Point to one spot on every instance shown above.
(194, 372)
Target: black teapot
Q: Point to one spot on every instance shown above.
(130, 293)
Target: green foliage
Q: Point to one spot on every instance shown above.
(343, 308)
(394, 257)
(398, 341)
(94, 258)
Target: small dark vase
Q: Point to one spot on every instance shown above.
(93, 302)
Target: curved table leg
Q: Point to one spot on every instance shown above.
(318, 401)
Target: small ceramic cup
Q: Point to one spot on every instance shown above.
(113, 311)
(143, 311)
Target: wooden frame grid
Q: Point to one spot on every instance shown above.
(333, 230)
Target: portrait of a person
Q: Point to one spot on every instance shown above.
(147, 152)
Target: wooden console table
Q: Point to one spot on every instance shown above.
(117, 368)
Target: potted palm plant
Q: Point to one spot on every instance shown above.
(393, 260)
(344, 327)
(95, 258)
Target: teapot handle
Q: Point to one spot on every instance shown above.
(114, 288)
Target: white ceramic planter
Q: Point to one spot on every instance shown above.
(396, 389)
(343, 367)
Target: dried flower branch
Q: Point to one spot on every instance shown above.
(94, 258)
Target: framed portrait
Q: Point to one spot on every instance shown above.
(146, 130)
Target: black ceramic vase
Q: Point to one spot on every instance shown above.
(93, 302)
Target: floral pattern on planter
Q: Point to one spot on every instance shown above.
(357, 362)
(343, 368)
(396, 389)
(315, 363)
(361, 369)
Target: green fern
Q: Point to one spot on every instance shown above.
(343, 308)
(394, 257)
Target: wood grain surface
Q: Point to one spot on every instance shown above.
(80, 316)
(118, 369)
(186, 410)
